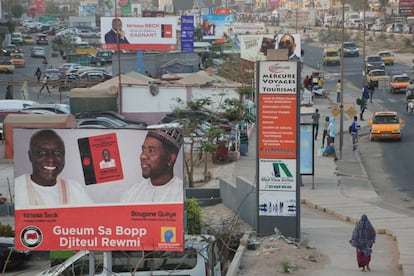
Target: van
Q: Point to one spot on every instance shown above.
(331, 56)
(200, 257)
(15, 104)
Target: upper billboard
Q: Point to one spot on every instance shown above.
(97, 189)
(138, 33)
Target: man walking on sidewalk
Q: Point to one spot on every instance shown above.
(354, 133)
(315, 117)
(44, 85)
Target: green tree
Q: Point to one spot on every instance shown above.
(17, 10)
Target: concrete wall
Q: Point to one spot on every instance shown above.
(241, 198)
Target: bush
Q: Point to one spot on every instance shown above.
(193, 211)
(6, 231)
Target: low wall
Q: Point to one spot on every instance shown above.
(241, 198)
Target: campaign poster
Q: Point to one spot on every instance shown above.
(214, 26)
(138, 33)
(100, 158)
(56, 208)
(254, 47)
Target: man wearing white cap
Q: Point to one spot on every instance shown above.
(158, 156)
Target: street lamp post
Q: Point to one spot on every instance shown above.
(341, 123)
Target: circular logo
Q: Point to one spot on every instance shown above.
(31, 237)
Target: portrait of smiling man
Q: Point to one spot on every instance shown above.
(158, 156)
(43, 187)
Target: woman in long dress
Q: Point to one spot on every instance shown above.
(363, 237)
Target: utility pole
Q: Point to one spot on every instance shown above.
(341, 123)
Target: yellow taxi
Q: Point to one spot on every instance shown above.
(18, 59)
(375, 75)
(399, 83)
(387, 57)
(386, 125)
(6, 66)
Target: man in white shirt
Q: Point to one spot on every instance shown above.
(107, 162)
(158, 156)
(43, 187)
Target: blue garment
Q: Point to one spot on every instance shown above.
(331, 127)
(111, 37)
(365, 92)
(354, 127)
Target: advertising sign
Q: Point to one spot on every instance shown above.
(138, 33)
(306, 149)
(277, 115)
(248, 28)
(187, 33)
(214, 26)
(277, 148)
(97, 189)
(254, 47)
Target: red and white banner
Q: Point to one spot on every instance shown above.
(139, 33)
(86, 208)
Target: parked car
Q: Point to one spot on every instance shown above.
(102, 57)
(53, 74)
(6, 66)
(69, 66)
(42, 39)
(17, 258)
(112, 115)
(104, 122)
(56, 108)
(38, 52)
(200, 254)
(373, 62)
(399, 83)
(386, 125)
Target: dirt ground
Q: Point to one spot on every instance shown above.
(268, 253)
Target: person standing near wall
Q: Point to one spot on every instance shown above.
(338, 91)
(325, 130)
(315, 118)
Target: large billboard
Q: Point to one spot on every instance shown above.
(138, 33)
(98, 189)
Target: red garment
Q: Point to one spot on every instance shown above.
(362, 260)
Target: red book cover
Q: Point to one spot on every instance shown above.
(100, 158)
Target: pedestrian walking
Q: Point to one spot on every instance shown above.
(371, 90)
(244, 142)
(363, 238)
(331, 131)
(325, 130)
(338, 91)
(363, 106)
(9, 91)
(365, 92)
(44, 85)
(354, 133)
(38, 74)
(315, 117)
